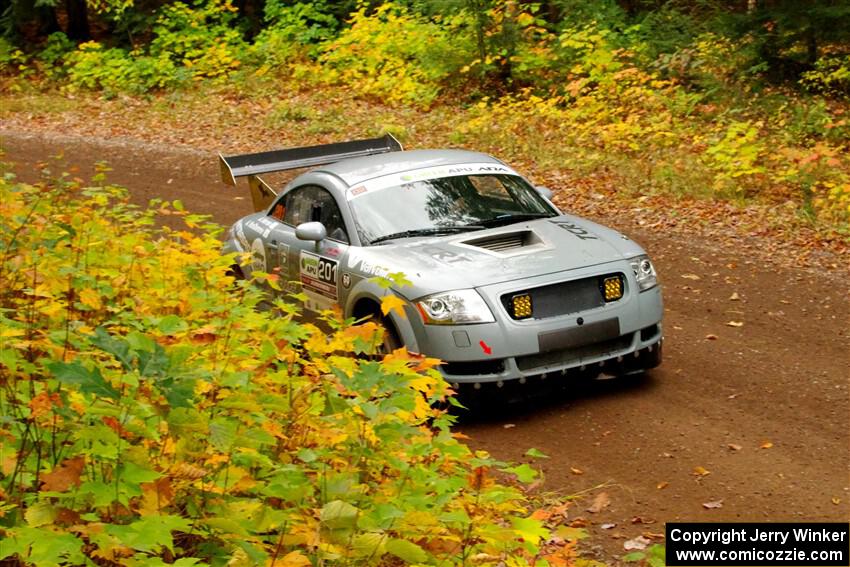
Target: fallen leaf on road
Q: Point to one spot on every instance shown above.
(637, 544)
(601, 502)
(579, 523)
(701, 471)
(733, 396)
(734, 297)
(662, 485)
(691, 277)
(836, 501)
(641, 520)
(509, 425)
(784, 302)
(766, 445)
(653, 535)
(713, 505)
(576, 471)
(608, 526)
(711, 337)
(734, 324)
(734, 446)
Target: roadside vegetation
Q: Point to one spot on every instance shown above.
(735, 101)
(152, 414)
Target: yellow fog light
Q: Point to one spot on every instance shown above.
(612, 288)
(521, 305)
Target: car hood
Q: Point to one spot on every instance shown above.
(497, 255)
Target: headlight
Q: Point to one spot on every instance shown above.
(454, 308)
(644, 273)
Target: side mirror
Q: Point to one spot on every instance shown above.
(314, 231)
(546, 192)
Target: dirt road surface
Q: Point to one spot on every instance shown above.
(762, 410)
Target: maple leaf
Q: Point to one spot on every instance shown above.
(155, 496)
(393, 303)
(43, 403)
(64, 476)
(90, 298)
(292, 559)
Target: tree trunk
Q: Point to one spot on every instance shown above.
(78, 20)
(811, 45)
(47, 22)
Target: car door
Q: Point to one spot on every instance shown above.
(312, 267)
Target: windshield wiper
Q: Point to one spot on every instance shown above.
(426, 232)
(512, 218)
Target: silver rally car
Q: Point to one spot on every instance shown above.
(502, 285)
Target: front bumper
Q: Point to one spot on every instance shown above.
(619, 337)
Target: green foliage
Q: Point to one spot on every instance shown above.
(152, 414)
(292, 32)
(394, 55)
(736, 156)
(12, 59)
(202, 38)
(654, 556)
(113, 70)
(831, 75)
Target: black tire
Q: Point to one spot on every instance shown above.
(391, 340)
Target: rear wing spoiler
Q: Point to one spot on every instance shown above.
(253, 165)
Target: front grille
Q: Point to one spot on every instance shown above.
(562, 298)
(573, 354)
(474, 367)
(504, 242)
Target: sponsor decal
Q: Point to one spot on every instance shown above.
(575, 229)
(346, 280)
(318, 275)
(264, 231)
(398, 179)
(445, 256)
(258, 256)
(453, 170)
(365, 267)
(334, 252)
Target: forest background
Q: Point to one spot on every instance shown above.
(741, 101)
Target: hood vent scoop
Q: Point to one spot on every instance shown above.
(506, 241)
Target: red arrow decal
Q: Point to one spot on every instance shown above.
(485, 348)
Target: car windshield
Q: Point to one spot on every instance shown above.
(445, 205)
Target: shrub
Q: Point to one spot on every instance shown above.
(114, 70)
(831, 75)
(393, 55)
(153, 414)
(202, 38)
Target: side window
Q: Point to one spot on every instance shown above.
(312, 203)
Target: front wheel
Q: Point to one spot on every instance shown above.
(391, 340)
